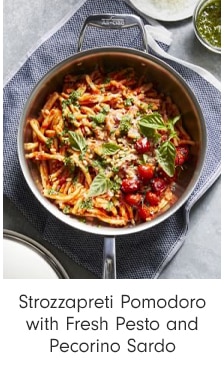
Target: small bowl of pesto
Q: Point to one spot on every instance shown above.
(207, 24)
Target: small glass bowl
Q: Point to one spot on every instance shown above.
(199, 8)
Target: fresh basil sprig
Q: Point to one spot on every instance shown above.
(99, 185)
(77, 141)
(165, 156)
(150, 124)
(170, 125)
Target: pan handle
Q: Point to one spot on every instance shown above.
(109, 258)
(113, 21)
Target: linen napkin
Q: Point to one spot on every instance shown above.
(141, 255)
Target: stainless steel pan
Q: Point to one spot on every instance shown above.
(169, 82)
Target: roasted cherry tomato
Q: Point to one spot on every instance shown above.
(182, 154)
(167, 178)
(130, 185)
(142, 145)
(152, 198)
(158, 185)
(133, 199)
(144, 212)
(146, 171)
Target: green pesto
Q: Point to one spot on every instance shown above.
(208, 23)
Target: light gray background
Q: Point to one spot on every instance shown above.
(25, 22)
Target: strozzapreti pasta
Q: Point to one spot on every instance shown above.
(109, 147)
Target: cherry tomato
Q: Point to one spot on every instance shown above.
(144, 212)
(167, 178)
(158, 185)
(130, 185)
(152, 198)
(142, 145)
(146, 171)
(133, 199)
(182, 154)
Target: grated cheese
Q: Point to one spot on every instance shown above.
(171, 6)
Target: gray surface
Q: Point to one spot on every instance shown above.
(24, 24)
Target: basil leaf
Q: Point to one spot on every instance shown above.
(175, 119)
(165, 156)
(100, 185)
(110, 148)
(149, 124)
(171, 123)
(77, 141)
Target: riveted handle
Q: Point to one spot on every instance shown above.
(113, 21)
(109, 258)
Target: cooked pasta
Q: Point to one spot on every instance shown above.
(108, 148)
